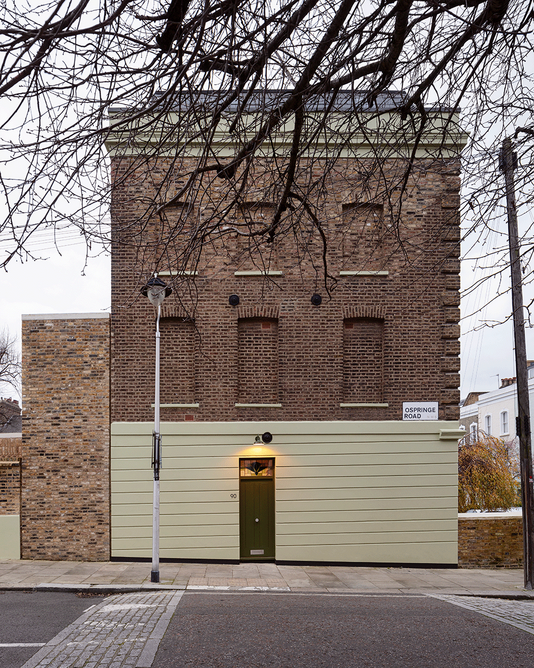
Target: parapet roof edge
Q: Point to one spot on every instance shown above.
(319, 101)
(64, 316)
(346, 100)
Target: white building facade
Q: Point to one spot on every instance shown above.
(495, 412)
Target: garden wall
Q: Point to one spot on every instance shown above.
(488, 540)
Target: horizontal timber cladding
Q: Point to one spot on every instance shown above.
(381, 492)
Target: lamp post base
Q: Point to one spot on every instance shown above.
(154, 576)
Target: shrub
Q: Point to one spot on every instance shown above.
(486, 474)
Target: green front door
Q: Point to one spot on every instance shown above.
(256, 509)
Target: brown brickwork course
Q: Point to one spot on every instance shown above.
(65, 510)
(10, 449)
(407, 320)
(489, 542)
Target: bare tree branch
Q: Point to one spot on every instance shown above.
(10, 366)
(182, 76)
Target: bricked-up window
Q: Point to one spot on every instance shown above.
(258, 361)
(178, 346)
(363, 360)
(255, 252)
(363, 236)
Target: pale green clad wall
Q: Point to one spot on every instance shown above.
(379, 492)
(9, 536)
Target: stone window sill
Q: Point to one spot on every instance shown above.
(258, 405)
(364, 405)
(364, 273)
(269, 272)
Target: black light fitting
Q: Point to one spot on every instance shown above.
(233, 300)
(316, 299)
(156, 282)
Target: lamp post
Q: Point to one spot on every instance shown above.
(156, 291)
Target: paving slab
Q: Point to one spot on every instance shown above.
(129, 576)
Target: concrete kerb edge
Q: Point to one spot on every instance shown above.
(93, 589)
(127, 589)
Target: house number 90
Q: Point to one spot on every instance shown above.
(233, 496)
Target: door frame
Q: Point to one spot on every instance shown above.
(267, 479)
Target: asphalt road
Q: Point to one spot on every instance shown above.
(309, 631)
(273, 630)
(33, 618)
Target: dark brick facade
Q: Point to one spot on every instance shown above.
(65, 510)
(312, 367)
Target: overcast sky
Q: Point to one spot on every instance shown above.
(59, 284)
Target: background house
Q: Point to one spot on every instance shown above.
(10, 416)
(495, 412)
(10, 454)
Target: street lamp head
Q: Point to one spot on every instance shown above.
(156, 290)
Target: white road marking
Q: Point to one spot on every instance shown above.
(128, 606)
(22, 644)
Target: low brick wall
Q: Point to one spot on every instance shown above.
(10, 448)
(490, 541)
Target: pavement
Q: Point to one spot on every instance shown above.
(123, 576)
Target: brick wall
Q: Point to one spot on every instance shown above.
(490, 541)
(258, 361)
(416, 302)
(178, 341)
(65, 510)
(10, 449)
(363, 360)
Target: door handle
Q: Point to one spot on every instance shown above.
(256, 520)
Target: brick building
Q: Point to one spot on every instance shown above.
(64, 500)
(10, 455)
(251, 344)
(10, 416)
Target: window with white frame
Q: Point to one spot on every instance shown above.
(504, 423)
(473, 428)
(487, 424)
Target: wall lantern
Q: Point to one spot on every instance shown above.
(267, 437)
